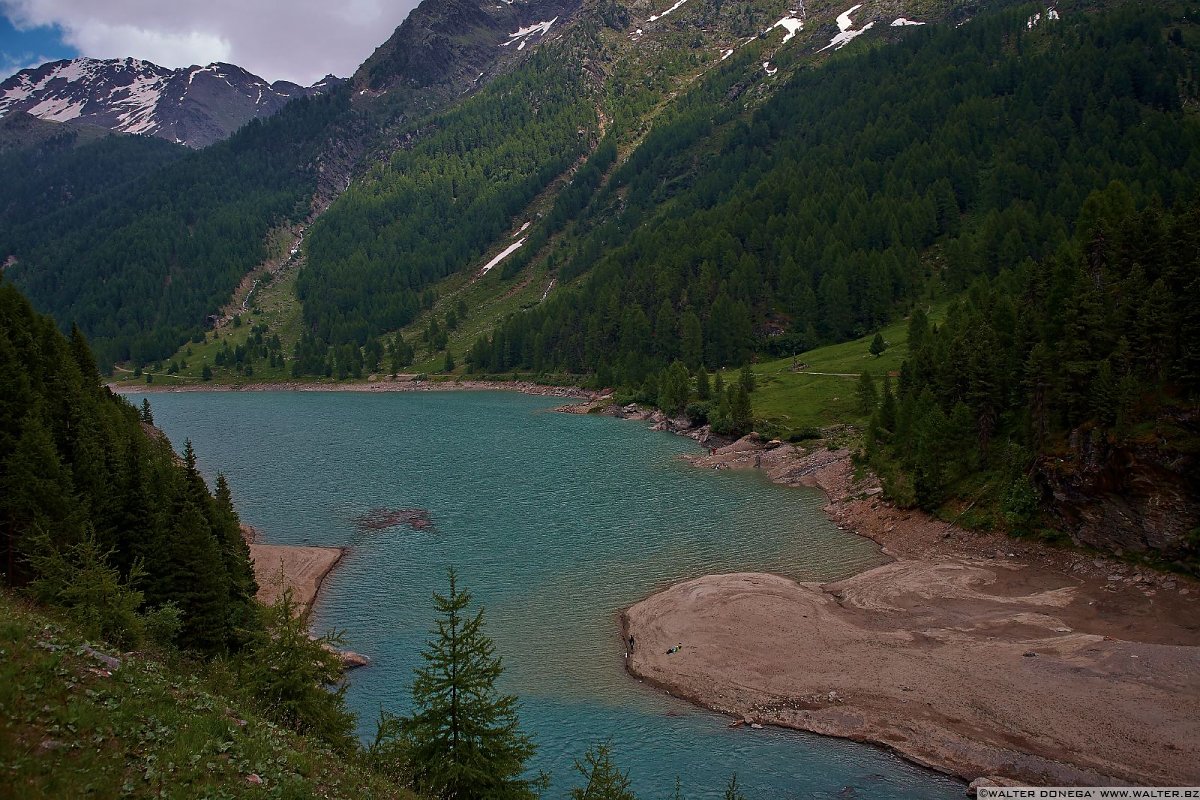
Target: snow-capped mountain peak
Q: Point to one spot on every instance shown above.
(196, 106)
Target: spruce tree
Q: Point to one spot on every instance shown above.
(464, 738)
(878, 345)
(887, 409)
(673, 389)
(37, 496)
(147, 415)
(194, 576)
(741, 416)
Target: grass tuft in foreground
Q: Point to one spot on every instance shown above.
(83, 720)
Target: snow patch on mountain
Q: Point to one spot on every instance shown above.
(789, 24)
(847, 33)
(508, 251)
(1035, 20)
(675, 7)
(524, 34)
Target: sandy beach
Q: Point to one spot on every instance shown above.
(973, 654)
(302, 569)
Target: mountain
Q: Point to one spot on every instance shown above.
(196, 106)
(745, 157)
(457, 43)
(599, 189)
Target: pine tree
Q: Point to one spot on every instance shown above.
(464, 736)
(288, 671)
(147, 415)
(887, 408)
(194, 576)
(36, 496)
(602, 779)
(741, 417)
(691, 339)
(918, 329)
(236, 554)
(733, 791)
(82, 354)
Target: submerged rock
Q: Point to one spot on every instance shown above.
(379, 519)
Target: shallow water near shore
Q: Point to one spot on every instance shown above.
(554, 523)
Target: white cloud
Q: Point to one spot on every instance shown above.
(300, 40)
(100, 40)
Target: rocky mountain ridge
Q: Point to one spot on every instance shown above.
(196, 106)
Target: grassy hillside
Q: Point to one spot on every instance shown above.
(816, 389)
(75, 726)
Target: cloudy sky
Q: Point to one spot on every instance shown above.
(296, 40)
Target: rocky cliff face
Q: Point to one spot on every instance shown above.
(196, 106)
(456, 43)
(1137, 496)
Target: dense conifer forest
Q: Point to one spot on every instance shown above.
(859, 188)
(1097, 341)
(66, 168)
(437, 206)
(87, 487)
(171, 246)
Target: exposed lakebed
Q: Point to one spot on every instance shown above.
(555, 522)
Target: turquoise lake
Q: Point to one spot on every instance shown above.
(554, 522)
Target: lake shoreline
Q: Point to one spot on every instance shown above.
(1017, 623)
(403, 383)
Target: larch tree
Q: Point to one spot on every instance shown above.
(603, 780)
(465, 741)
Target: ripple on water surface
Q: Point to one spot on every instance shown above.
(554, 522)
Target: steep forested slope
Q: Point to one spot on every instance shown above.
(60, 166)
(1068, 386)
(84, 488)
(139, 268)
(436, 206)
(958, 152)
(142, 267)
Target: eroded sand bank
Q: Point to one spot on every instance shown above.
(972, 654)
(302, 569)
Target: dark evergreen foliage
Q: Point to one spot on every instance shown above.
(1099, 337)
(78, 465)
(139, 264)
(436, 207)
